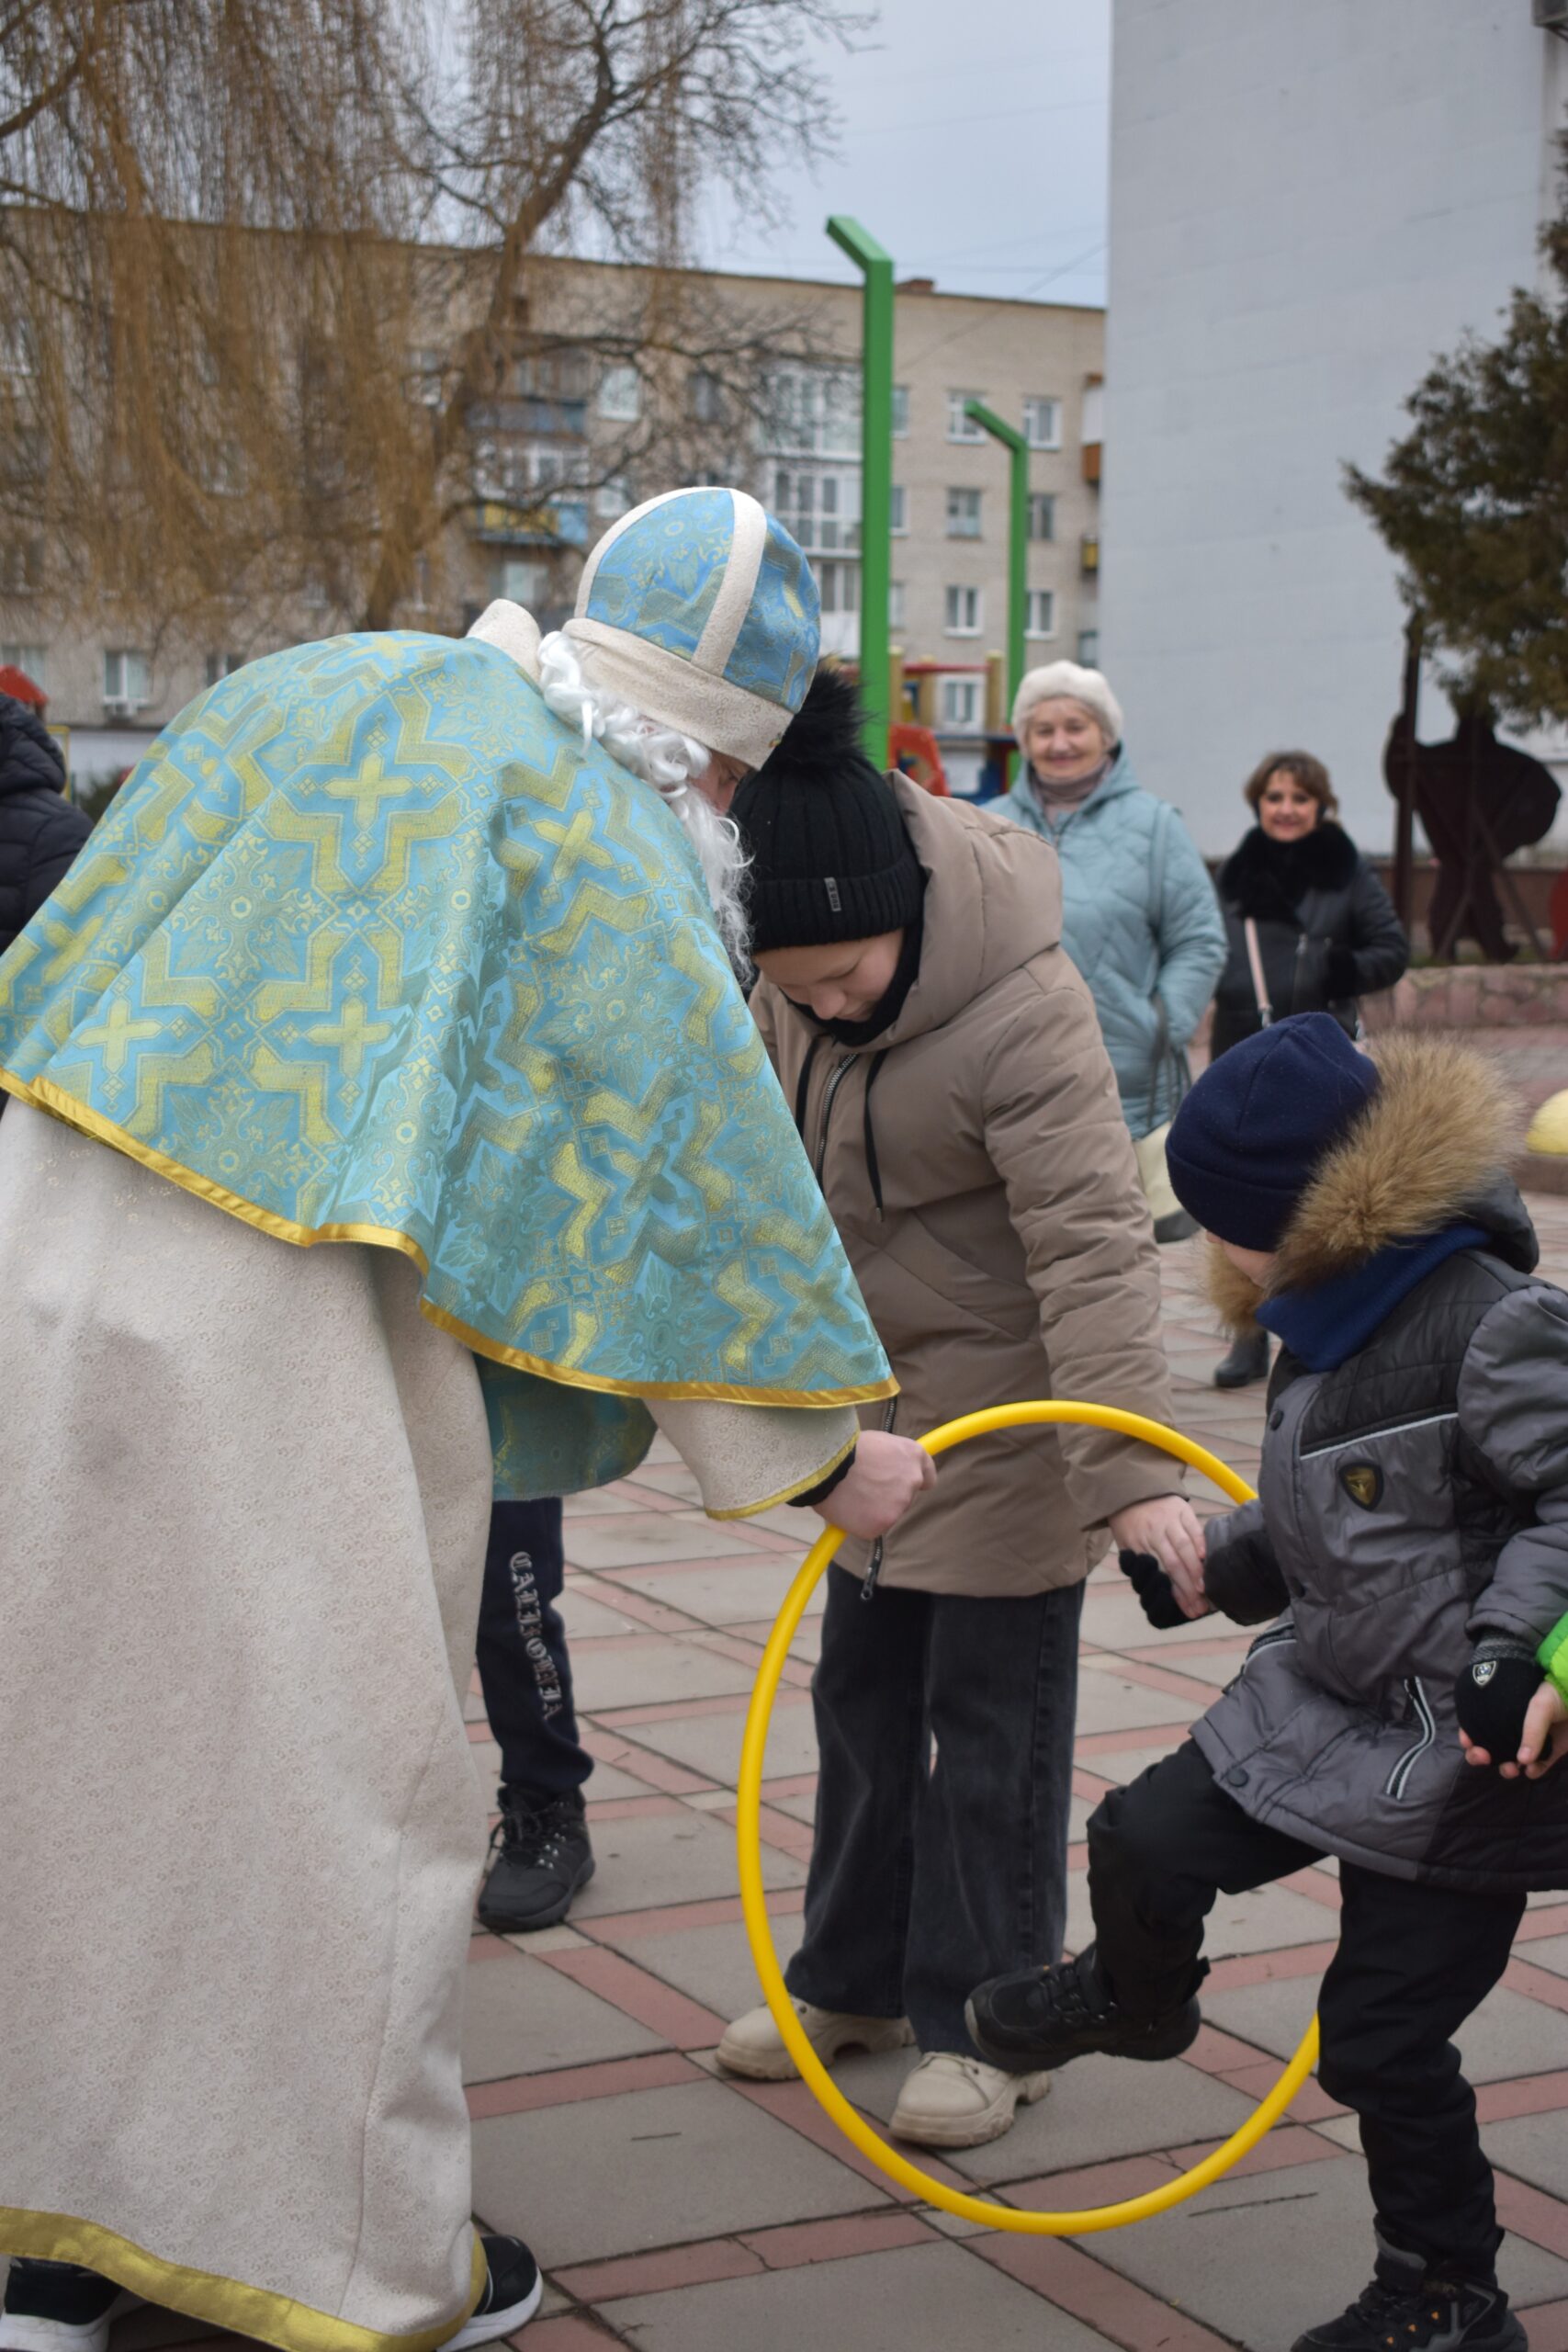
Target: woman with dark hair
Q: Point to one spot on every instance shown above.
(1311, 928)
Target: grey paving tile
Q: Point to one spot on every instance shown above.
(646, 2168)
(627, 1542)
(521, 2017)
(1547, 1951)
(713, 1964)
(732, 1592)
(1534, 2147)
(585, 1617)
(658, 1669)
(711, 1744)
(1113, 1620)
(920, 2296)
(1109, 1701)
(1094, 2109)
(681, 1857)
(1509, 2035)
(1261, 2259)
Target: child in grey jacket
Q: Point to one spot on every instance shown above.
(1408, 1708)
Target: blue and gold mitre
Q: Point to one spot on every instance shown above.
(369, 947)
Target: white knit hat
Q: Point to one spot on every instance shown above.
(1078, 685)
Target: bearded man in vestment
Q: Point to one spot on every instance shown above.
(419, 950)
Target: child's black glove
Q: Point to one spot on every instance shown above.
(1154, 1588)
(1493, 1693)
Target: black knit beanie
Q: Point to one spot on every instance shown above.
(830, 857)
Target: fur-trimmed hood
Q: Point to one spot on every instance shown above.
(1267, 880)
(1433, 1146)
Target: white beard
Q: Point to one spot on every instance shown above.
(670, 762)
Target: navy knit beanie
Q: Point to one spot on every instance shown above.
(1248, 1138)
(830, 857)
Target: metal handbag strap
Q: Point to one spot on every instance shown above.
(1259, 984)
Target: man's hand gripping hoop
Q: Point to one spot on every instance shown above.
(754, 1901)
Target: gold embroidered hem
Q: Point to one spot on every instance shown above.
(223, 2303)
(46, 1096)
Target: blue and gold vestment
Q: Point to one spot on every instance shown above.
(371, 948)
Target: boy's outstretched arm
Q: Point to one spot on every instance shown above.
(1513, 1417)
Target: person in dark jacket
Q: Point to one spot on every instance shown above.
(1325, 932)
(40, 831)
(1407, 1709)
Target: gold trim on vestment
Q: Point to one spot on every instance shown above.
(223, 2303)
(44, 1096)
(799, 1486)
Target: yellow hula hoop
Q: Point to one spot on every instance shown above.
(754, 1901)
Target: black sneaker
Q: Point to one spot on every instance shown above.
(511, 2296)
(545, 1858)
(60, 2307)
(1042, 2016)
(1429, 2315)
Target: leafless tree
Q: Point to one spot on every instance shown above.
(283, 282)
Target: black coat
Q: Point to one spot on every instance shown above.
(40, 831)
(1325, 926)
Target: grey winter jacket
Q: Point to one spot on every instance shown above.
(1411, 1500)
(1141, 922)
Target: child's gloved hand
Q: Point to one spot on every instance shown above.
(1492, 1698)
(1155, 1590)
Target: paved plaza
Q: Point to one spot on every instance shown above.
(679, 2212)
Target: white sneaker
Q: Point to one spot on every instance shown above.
(954, 2102)
(754, 2046)
(60, 2307)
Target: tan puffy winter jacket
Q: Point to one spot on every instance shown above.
(995, 1223)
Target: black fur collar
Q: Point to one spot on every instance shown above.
(1265, 877)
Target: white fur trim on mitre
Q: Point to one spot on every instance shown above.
(675, 691)
(506, 625)
(1077, 684)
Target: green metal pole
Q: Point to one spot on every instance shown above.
(877, 475)
(1017, 447)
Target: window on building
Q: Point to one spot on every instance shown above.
(839, 586)
(960, 702)
(963, 609)
(32, 661)
(705, 397)
(896, 603)
(521, 582)
(820, 506)
(1089, 647)
(1040, 613)
(898, 511)
(900, 412)
(814, 412)
(1041, 516)
(1042, 422)
(21, 567)
(961, 427)
(423, 381)
(19, 349)
(963, 514)
(1094, 409)
(620, 395)
(128, 678)
(220, 665)
(612, 499)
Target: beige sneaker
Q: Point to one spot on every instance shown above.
(754, 2046)
(953, 2102)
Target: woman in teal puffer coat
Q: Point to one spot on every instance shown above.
(1140, 919)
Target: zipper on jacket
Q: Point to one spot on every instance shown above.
(1398, 1778)
(836, 1078)
(874, 1566)
(1269, 1641)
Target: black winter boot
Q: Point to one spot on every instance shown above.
(545, 1859)
(1247, 1362)
(1409, 2306)
(1041, 2017)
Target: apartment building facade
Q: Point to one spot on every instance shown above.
(548, 478)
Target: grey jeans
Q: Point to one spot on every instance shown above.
(928, 1877)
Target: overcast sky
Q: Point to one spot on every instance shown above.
(973, 144)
